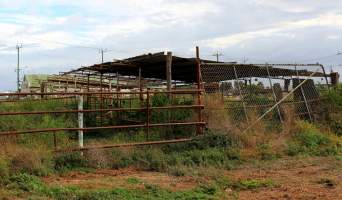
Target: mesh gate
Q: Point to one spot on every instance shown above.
(271, 91)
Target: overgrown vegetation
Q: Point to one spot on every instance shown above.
(23, 160)
(309, 140)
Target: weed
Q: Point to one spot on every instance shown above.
(133, 181)
(70, 161)
(310, 140)
(27, 183)
(4, 170)
(252, 184)
(32, 161)
(266, 152)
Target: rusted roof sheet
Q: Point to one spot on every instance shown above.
(184, 69)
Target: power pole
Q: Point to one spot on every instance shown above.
(18, 47)
(245, 60)
(217, 55)
(102, 51)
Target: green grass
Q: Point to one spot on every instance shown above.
(309, 140)
(32, 187)
(252, 184)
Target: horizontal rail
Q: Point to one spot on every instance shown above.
(99, 110)
(136, 144)
(27, 100)
(265, 64)
(193, 91)
(8, 133)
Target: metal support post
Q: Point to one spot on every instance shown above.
(80, 121)
(304, 96)
(240, 93)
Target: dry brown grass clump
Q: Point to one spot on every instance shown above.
(215, 114)
(35, 160)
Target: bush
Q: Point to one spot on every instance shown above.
(335, 96)
(31, 161)
(150, 159)
(206, 141)
(266, 152)
(68, 161)
(27, 183)
(309, 140)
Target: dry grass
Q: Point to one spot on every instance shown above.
(98, 158)
(35, 160)
(215, 114)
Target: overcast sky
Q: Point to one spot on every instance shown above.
(62, 35)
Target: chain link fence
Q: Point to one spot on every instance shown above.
(273, 92)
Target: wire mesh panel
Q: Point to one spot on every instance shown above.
(248, 91)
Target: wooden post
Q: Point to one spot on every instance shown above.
(147, 113)
(169, 72)
(199, 128)
(75, 83)
(334, 76)
(101, 97)
(140, 86)
(88, 80)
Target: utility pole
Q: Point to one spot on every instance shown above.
(217, 55)
(18, 47)
(245, 60)
(102, 51)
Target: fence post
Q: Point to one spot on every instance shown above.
(325, 76)
(240, 93)
(303, 93)
(274, 95)
(55, 140)
(199, 128)
(80, 120)
(147, 113)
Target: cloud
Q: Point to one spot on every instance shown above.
(282, 29)
(57, 34)
(298, 6)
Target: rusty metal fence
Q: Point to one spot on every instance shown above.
(273, 92)
(162, 116)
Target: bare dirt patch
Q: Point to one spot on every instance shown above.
(309, 178)
(293, 178)
(107, 179)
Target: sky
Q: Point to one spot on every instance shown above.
(59, 35)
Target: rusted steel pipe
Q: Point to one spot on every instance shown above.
(194, 91)
(7, 133)
(99, 110)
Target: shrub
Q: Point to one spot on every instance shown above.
(4, 170)
(150, 159)
(206, 141)
(70, 161)
(31, 161)
(266, 152)
(310, 140)
(27, 182)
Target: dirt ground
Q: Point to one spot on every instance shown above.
(307, 178)
(300, 178)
